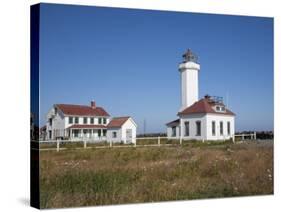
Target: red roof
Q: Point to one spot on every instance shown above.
(81, 110)
(87, 126)
(175, 122)
(117, 122)
(43, 128)
(203, 106)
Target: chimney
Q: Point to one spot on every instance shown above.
(207, 96)
(93, 104)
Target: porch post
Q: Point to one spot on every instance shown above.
(180, 131)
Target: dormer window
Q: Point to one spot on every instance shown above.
(220, 108)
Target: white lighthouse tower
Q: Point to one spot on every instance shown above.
(189, 69)
(199, 119)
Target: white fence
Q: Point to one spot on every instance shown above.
(249, 136)
(140, 142)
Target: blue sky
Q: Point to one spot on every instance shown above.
(127, 61)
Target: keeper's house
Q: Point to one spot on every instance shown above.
(79, 122)
(204, 119)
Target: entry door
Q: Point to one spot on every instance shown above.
(50, 134)
(129, 135)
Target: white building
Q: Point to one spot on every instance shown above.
(122, 129)
(79, 122)
(204, 119)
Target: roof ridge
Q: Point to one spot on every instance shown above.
(81, 106)
(119, 117)
(74, 105)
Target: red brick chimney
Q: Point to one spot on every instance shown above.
(93, 104)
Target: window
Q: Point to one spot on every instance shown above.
(70, 120)
(92, 120)
(99, 133)
(222, 108)
(114, 134)
(76, 120)
(76, 133)
(50, 122)
(198, 128)
(99, 120)
(217, 108)
(104, 132)
(104, 120)
(221, 128)
(186, 125)
(213, 128)
(56, 111)
(85, 120)
(228, 128)
(174, 131)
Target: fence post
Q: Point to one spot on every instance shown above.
(110, 143)
(180, 140)
(58, 145)
(85, 144)
(255, 136)
(135, 142)
(158, 141)
(242, 137)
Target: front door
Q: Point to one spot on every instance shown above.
(50, 134)
(128, 135)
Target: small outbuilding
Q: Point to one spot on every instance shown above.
(122, 129)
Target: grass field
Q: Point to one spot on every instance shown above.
(83, 177)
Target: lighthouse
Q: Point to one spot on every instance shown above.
(203, 119)
(189, 69)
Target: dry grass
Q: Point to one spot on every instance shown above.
(131, 175)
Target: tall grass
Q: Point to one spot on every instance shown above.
(131, 175)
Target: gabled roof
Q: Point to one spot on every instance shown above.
(204, 106)
(175, 122)
(87, 126)
(117, 122)
(43, 128)
(81, 110)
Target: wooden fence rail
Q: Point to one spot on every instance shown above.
(87, 143)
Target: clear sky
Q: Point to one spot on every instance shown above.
(127, 61)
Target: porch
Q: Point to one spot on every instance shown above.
(90, 133)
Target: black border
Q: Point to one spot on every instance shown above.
(34, 103)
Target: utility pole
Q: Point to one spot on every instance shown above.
(144, 127)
